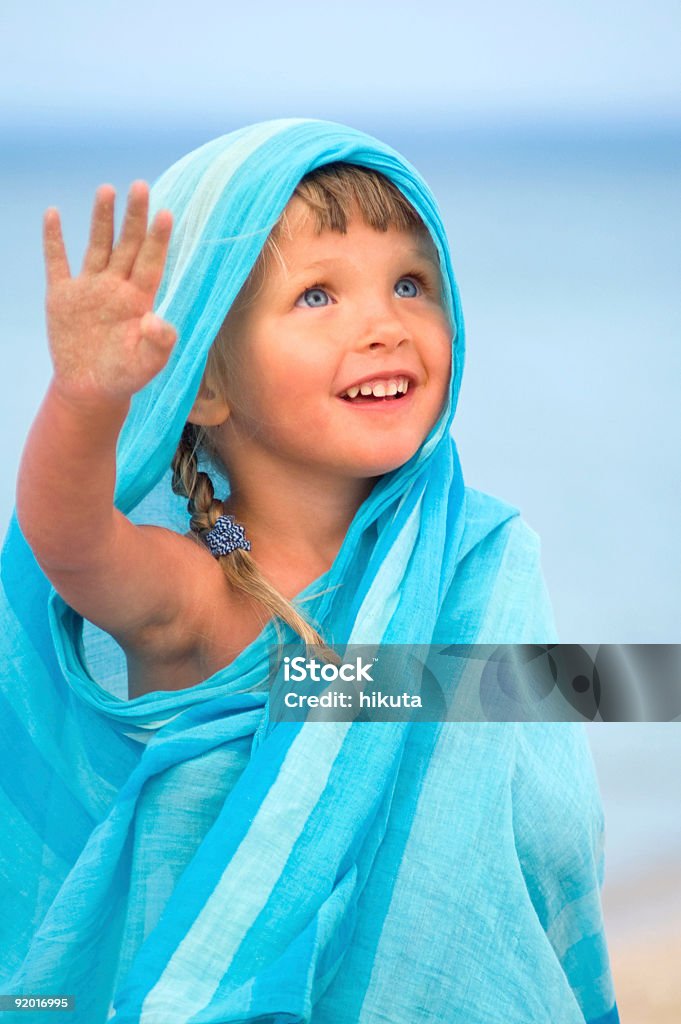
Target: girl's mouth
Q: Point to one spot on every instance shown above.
(384, 404)
(378, 391)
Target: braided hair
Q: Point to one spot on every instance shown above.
(238, 566)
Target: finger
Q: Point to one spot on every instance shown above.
(98, 252)
(157, 338)
(149, 265)
(56, 260)
(157, 331)
(133, 231)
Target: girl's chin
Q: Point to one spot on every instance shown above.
(367, 467)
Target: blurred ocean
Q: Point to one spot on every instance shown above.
(566, 248)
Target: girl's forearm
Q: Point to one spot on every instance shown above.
(66, 480)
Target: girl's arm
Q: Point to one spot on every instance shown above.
(105, 344)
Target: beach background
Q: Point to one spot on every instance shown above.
(551, 136)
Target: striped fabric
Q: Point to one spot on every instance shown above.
(180, 858)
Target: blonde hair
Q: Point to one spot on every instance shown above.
(332, 193)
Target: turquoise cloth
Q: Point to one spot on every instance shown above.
(180, 858)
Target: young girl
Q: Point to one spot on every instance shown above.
(289, 319)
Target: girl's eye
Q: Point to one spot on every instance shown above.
(407, 288)
(313, 298)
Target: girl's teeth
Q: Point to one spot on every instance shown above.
(380, 389)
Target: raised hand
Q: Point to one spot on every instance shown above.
(105, 341)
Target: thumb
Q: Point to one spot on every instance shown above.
(157, 331)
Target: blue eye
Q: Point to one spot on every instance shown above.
(411, 291)
(313, 298)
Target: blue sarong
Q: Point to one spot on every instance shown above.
(181, 858)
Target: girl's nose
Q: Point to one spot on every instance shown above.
(381, 328)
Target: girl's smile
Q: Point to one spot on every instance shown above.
(336, 313)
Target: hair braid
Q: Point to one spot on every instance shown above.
(238, 566)
(190, 482)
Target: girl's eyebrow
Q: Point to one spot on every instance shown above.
(426, 249)
(428, 253)
(422, 252)
(328, 262)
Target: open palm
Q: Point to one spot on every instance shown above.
(105, 341)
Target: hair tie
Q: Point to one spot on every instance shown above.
(226, 536)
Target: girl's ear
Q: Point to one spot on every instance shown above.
(210, 409)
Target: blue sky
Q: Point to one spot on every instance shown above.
(79, 62)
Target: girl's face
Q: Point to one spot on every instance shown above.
(339, 310)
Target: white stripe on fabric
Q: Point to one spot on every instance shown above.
(576, 920)
(392, 931)
(240, 895)
(378, 607)
(213, 183)
(442, 429)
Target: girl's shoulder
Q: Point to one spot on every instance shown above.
(492, 520)
(497, 594)
(496, 535)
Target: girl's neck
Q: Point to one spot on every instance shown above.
(296, 524)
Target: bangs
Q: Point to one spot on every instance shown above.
(335, 192)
